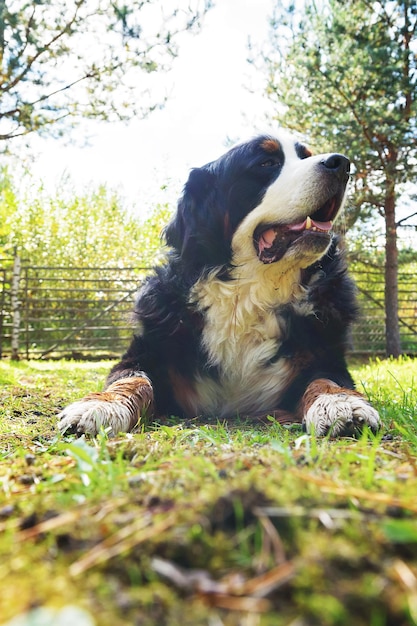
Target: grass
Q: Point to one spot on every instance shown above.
(241, 524)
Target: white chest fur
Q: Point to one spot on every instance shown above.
(242, 333)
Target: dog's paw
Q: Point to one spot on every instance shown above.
(340, 414)
(91, 415)
(116, 410)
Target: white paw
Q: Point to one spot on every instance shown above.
(90, 415)
(340, 414)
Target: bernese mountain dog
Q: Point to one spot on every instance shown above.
(250, 313)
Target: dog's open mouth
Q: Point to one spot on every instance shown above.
(273, 240)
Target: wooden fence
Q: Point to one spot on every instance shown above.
(79, 312)
(369, 332)
(72, 312)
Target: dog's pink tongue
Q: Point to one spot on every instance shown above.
(322, 225)
(267, 239)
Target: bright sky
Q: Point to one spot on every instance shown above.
(208, 102)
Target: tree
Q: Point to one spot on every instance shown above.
(84, 58)
(344, 72)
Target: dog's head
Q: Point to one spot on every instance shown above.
(267, 200)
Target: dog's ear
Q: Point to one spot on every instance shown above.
(196, 194)
(194, 229)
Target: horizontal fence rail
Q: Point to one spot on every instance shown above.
(369, 332)
(72, 312)
(79, 312)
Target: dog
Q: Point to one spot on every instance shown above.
(250, 313)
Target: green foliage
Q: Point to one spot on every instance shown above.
(367, 268)
(83, 257)
(74, 58)
(89, 229)
(343, 72)
(8, 207)
(194, 524)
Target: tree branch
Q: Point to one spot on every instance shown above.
(404, 219)
(43, 49)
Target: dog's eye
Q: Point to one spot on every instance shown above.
(269, 163)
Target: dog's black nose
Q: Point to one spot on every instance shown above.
(338, 163)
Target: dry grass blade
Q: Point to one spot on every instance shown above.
(405, 575)
(51, 524)
(270, 540)
(300, 511)
(232, 592)
(122, 541)
(327, 486)
(243, 604)
(273, 579)
(68, 518)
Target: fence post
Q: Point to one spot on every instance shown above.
(2, 311)
(15, 307)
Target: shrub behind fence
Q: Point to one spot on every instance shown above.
(369, 332)
(73, 312)
(79, 312)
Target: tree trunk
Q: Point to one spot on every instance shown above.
(15, 306)
(392, 327)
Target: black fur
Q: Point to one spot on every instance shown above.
(216, 198)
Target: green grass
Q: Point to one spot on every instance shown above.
(241, 524)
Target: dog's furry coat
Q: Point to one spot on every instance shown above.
(251, 312)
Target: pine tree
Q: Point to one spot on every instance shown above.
(344, 72)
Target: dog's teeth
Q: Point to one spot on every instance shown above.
(308, 223)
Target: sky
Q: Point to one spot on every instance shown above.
(209, 102)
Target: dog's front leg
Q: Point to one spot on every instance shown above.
(117, 409)
(328, 408)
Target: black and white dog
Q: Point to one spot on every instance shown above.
(251, 311)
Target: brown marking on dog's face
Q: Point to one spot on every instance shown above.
(270, 145)
(303, 152)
